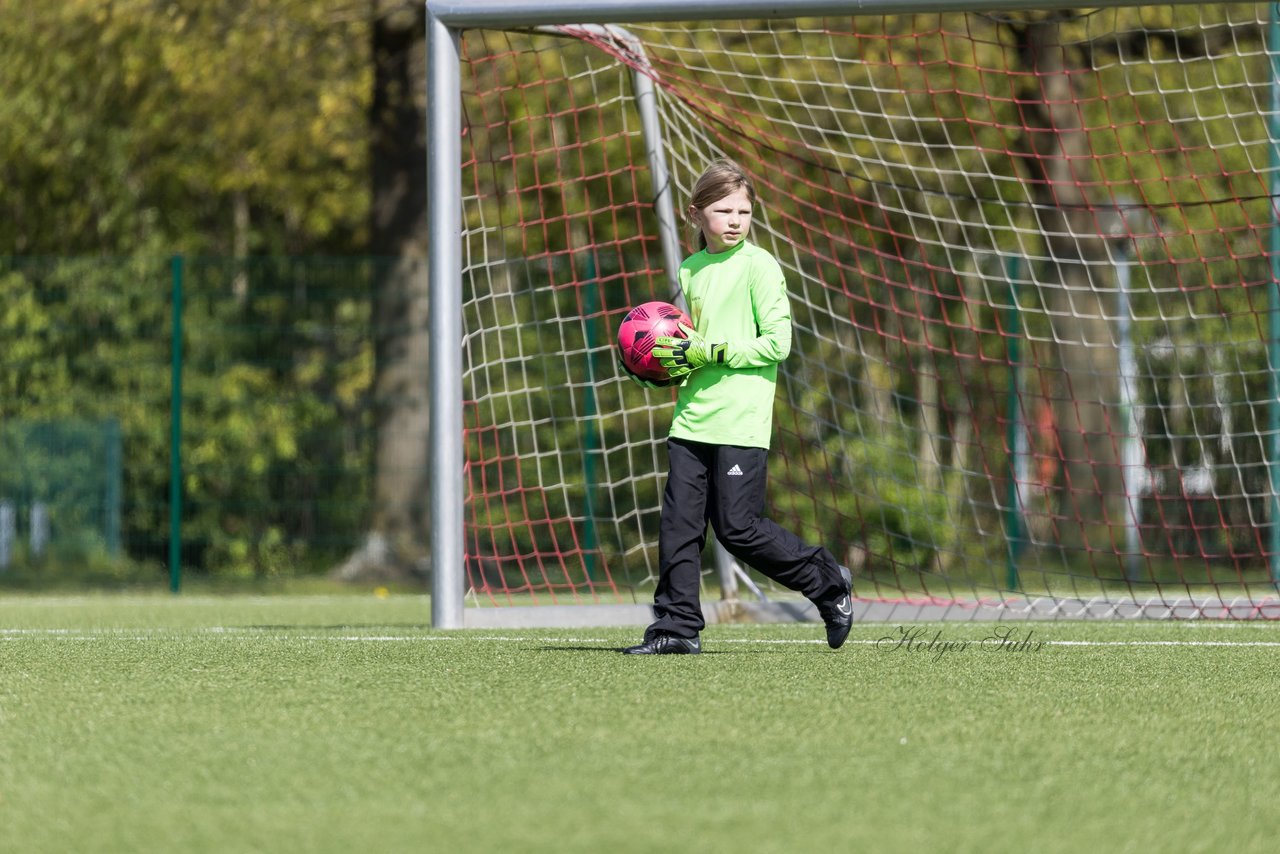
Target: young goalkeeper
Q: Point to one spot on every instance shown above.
(727, 369)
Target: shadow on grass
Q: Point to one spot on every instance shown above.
(333, 627)
(618, 650)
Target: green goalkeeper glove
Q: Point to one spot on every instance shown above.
(681, 356)
(644, 383)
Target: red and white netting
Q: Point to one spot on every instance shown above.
(1031, 259)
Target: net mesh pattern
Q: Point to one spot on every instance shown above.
(1032, 265)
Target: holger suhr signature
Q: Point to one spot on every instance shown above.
(917, 639)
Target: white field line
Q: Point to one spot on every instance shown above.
(888, 642)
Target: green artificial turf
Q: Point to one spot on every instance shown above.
(345, 723)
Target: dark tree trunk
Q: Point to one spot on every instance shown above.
(1058, 163)
(397, 542)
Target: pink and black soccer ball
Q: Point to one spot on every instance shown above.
(640, 328)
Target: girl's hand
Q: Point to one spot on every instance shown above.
(644, 383)
(681, 356)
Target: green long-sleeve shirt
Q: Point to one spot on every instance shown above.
(738, 297)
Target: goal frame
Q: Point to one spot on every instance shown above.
(445, 19)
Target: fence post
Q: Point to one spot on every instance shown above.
(1015, 433)
(175, 431)
(590, 424)
(38, 533)
(115, 488)
(8, 532)
(1273, 307)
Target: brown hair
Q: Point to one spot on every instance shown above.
(719, 179)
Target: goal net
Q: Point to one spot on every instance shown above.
(1032, 260)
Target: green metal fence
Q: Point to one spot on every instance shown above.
(199, 415)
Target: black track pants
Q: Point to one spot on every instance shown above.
(725, 485)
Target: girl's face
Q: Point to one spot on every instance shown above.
(725, 222)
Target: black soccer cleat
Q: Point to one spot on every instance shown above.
(837, 613)
(661, 644)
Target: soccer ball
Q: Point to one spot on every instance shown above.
(640, 328)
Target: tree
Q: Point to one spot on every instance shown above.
(135, 127)
(1057, 156)
(134, 130)
(396, 542)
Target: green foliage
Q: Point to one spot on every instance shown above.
(894, 178)
(132, 130)
(90, 343)
(275, 406)
(70, 470)
(873, 499)
(136, 127)
(277, 414)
